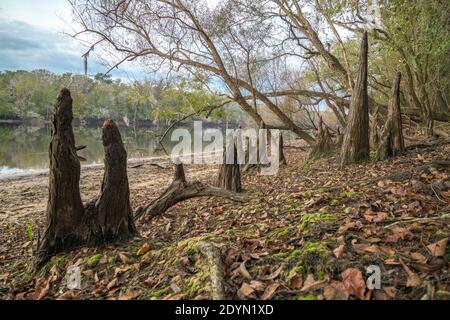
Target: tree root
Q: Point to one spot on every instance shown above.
(216, 269)
(181, 190)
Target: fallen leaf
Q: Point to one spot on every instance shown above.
(354, 282)
(339, 251)
(113, 283)
(311, 284)
(413, 279)
(43, 292)
(331, 293)
(270, 291)
(296, 282)
(438, 249)
(146, 247)
(131, 295)
(257, 285)
(243, 271)
(175, 288)
(124, 258)
(375, 216)
(274, 275)
(245, 290)
(418, 257)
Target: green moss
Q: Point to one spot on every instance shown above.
(335, 202)
(347, 194)
(312, 218)
(308, 297)
(94, 260)
(161, 293)
(320, 275)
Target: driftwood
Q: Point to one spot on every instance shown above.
(181, 190)
(355, 147)
(106, 218)
(216, 270)
(391, 139)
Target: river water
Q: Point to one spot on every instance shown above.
(24, 148)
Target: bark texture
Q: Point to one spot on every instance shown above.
(324, 143)
(229, 176)
(391, 140)
(355, 147)
(69, 223)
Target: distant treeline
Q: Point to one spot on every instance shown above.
(25, 95)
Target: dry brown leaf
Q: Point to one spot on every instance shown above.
(296, 282)
(354, 282)
(146, 247)
(413, 279)
(43, 292)
(113, 283)
(274, 275)
(339, 251)
(311, 284)
(243, 271)
(331, 293)
(418, 257)
(131, 295)
(438, 249)
(270, 291)
(257, 285)
(124, 258)
(245, 290)
(375, 216)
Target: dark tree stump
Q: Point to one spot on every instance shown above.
(355, 147)
(113, 213)
(106, 218)
(374, 131)
(391, 140)
(282, 159)
(324, 144)
(229, 176)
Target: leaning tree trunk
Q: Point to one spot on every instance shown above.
(106, 218)
(391, 140)
(229, 176)
(355, 147)
(324, 143)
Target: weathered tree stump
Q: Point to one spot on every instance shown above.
(69, 223)
(324, 144)
(391, 140)
(181, 190)
(374, 130)
(355, 147)
(229, 176)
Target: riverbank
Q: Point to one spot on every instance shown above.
(295, 237)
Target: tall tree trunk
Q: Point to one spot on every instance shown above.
(355, 147)
(106, 218)
(391, 140)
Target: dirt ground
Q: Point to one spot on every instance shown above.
(308, 233)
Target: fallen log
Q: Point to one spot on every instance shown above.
(181, 190)
(216, 269)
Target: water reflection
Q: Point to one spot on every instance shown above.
(25, 148)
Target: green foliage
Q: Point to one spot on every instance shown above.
(32, 94)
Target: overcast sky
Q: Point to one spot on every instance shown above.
(32, 37)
